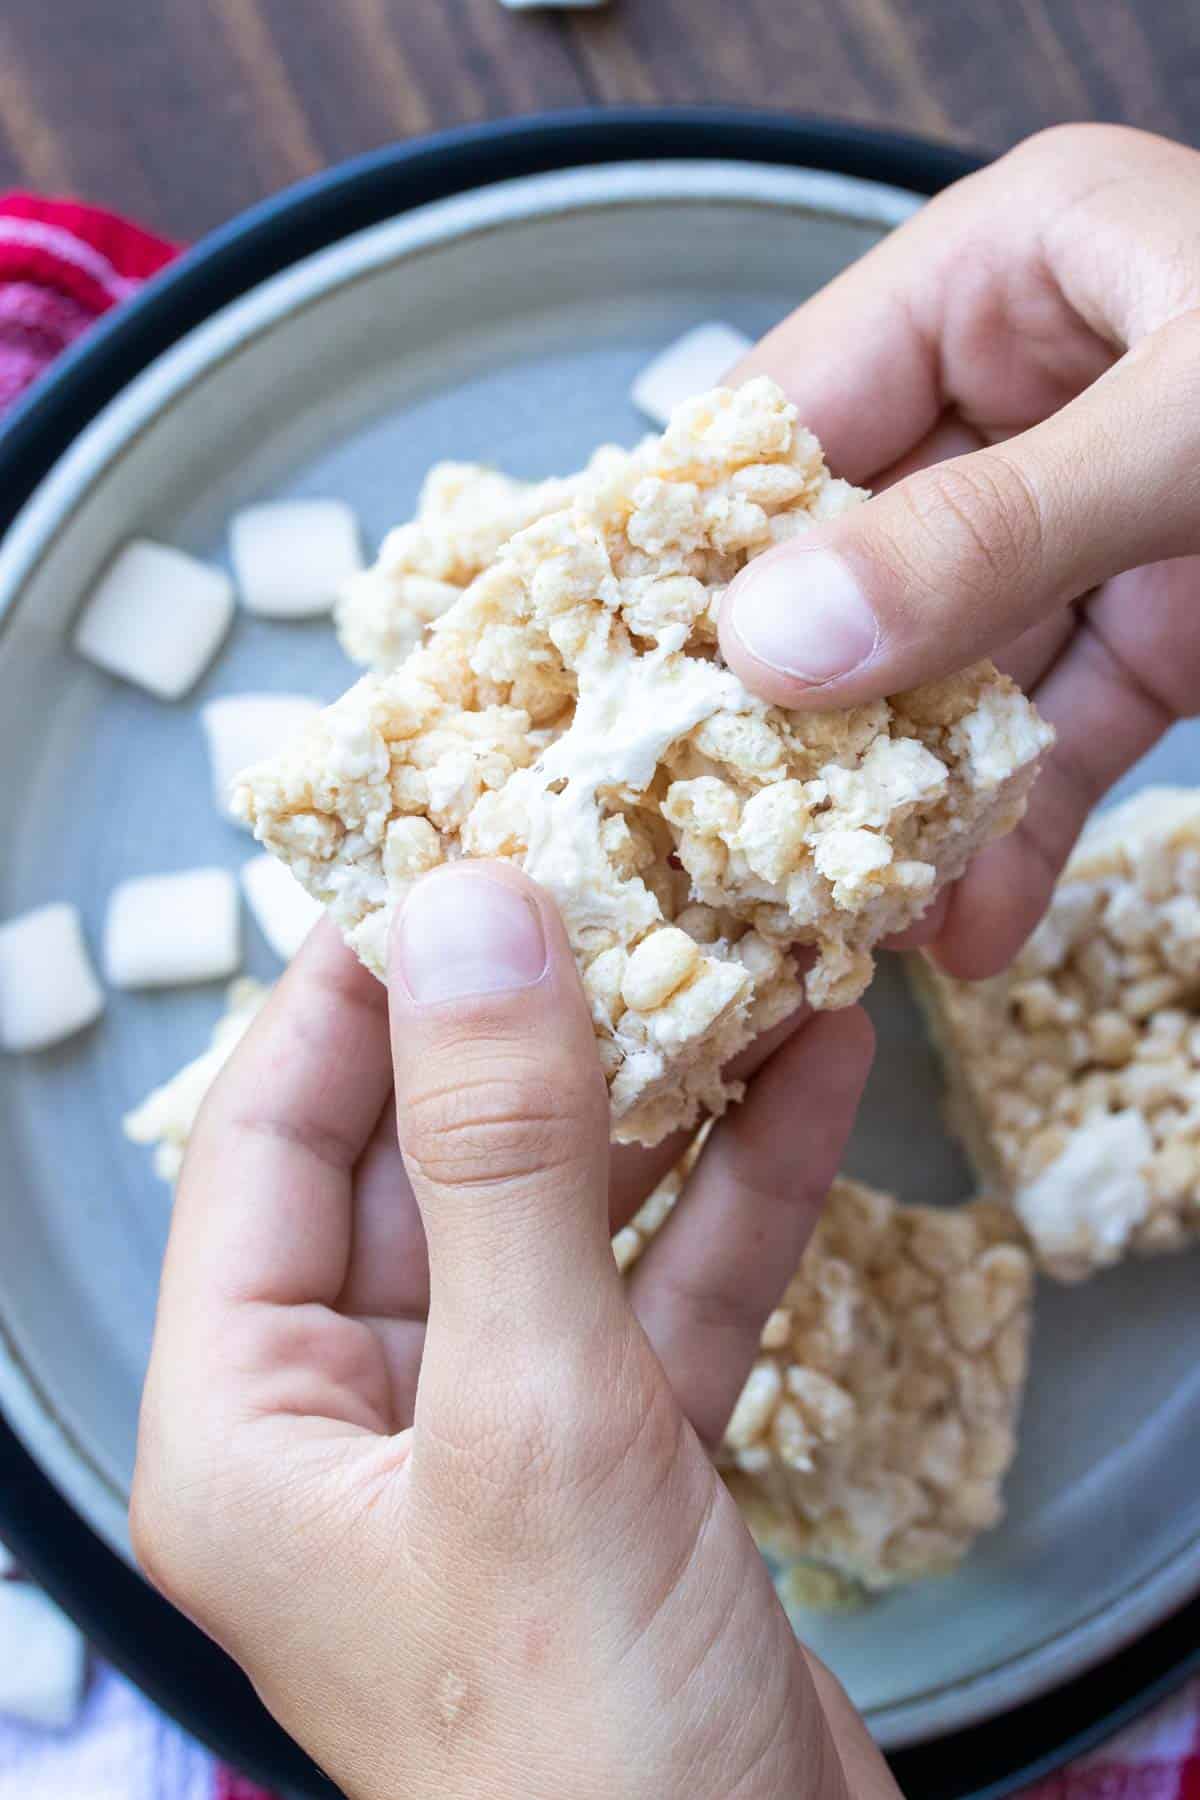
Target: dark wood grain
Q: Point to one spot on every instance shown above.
(184, 111)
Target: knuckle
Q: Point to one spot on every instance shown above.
(1082, 147)
(980, 512)
(497, 1120)
(1178, 346)
(527, 1460)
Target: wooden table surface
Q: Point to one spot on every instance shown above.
(185, 111)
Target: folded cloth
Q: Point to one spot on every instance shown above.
(61, 267)
(1158, 1758)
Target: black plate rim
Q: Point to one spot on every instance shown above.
(129, 1624)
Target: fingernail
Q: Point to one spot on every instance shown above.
(804, 615)
(461, 935)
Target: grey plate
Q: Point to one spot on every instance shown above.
(504, 326)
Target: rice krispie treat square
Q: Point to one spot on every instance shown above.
(874, 1433)
(570, 712)
(1074, 1077)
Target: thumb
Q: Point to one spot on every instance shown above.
(954, 562)
(502, 1113)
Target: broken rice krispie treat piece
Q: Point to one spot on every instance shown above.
(875, 1430)
(166, 1116)
(1075, 1076)
(570, 712)
(464, 514)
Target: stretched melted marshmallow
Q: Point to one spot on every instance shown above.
(244, 728)
(157, 617)
(283, 911)
(48, 989)
(292, 556)
(693, 363)
(171, 930)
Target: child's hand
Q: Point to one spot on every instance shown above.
(453, 1512)
(1039, 326)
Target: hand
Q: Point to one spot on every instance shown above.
(1018, 367)
(454, 1513)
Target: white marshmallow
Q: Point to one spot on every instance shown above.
(42, 1659)
(170, 930)
(693, 363)
(157, 617)
(244, 728)
(48, 988)
(285, 913)
(291, 557)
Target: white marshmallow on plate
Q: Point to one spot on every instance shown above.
(156, 617)
(48, 988)
(42, 1659)
(548, 5)
(244, 728)
(285, 911)
(291, 557)
(691, 365)
(172, 930)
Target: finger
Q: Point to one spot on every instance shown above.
(951, 436)
(860, 365)
(263, 1207)
(1030, 657)
(704, 1287)
(1003, 298)
(924, 930)
(959, 559)
(876, 358)
(503, 1119)
(1130, 670)
(387, 1274)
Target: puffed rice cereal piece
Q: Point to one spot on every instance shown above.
(570, 712)
(464, 513)
(1074, 1077)
(874, 1431)
(166, 1116)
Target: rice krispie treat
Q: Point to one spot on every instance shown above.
(570, 712)
(166, 1116)
(876, 1428)
(464, 513)
(1075, 1076)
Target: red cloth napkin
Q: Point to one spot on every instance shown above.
(61, 266)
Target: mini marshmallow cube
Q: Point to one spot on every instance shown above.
(42, 1659)
(693, 363)
(291, 557)
(48, 989)
(171, 930)
(156, 617)
(284, 912)
(244, 728)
